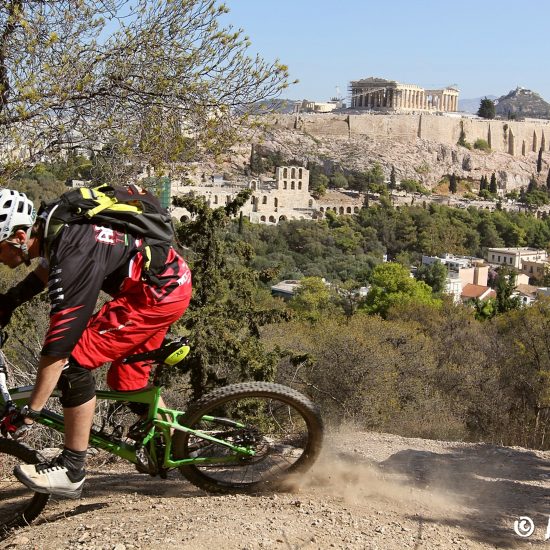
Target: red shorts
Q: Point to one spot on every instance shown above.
(132, 322)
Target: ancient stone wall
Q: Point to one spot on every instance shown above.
(512, 137)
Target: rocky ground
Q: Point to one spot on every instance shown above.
(369, 491)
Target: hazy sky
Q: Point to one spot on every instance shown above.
(485, 46)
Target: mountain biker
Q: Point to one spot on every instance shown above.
(84, 259)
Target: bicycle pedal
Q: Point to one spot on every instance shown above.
(144, 464)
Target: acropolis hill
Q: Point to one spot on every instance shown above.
(419, 146)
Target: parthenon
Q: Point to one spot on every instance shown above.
(388, 95)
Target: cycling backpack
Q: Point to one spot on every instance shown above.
(129, 209)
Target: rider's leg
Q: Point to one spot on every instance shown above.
(65, 475)
(78, 423)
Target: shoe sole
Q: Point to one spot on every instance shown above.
(69, 493)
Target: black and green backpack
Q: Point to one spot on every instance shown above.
(127, 208)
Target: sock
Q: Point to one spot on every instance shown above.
(74, 461)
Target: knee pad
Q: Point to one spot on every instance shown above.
(77, 385)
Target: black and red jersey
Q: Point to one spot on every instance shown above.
(87, 258)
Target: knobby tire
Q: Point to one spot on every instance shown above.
(283, 426)
(19, 506)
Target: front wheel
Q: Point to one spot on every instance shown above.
(18, 505)
(279, 427)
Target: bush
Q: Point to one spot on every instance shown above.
(482, 145)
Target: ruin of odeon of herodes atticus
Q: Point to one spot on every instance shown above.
(273, 200)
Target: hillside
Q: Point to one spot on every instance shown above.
(423, 160)
(522, 103)
(375, 491)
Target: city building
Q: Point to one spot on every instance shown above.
(515, 257)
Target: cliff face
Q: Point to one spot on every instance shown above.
(522, 103)
(424, 160)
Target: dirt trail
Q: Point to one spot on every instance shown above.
(369, 491)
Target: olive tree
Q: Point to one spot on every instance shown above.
(156, 80)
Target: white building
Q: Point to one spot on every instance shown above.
(514, 257)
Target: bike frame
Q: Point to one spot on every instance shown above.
(165, 426)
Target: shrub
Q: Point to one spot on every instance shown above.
(482, 145)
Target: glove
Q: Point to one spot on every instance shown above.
(14, 424)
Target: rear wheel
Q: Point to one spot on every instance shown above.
(18, 505)
(281, 429)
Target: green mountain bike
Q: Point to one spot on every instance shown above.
(246, 437)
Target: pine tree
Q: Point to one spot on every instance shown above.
(493, 185)
(483, 183)
(532, 186)
(223, 320)
(486, 108)
(393, 179)
(453, 186)
(539, 162)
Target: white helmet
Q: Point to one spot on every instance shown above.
(16, 210)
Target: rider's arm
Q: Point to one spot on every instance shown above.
(22, 292)
(49, 371)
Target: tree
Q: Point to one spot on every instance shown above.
(158, 79)
(539, 162)
(392, 285)
(505, 285)
(393, 178)
(453, 186)
(226, 310)
(532, 185)
(434, 275)
(548, 181)
(486, 108)
(493, 184)
(312, 299)
(483, 184)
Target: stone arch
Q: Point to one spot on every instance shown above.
(348, 210)
(321, 209)
(275, 202)
(272, 219)
(285, 185)
(285, 173)
(299, 185)
(341, 209)
(184, 219)
(523, 148)
(264, 199)
(292, 173)
(216, 199)
(310, 203)
(282, 218)
(355, 209)
(262, 218)
(334, 209)
(254, 185)
(300, 173)
(292, 185)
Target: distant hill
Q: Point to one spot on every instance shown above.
(281, 106)
(522, 103)
(472, 105)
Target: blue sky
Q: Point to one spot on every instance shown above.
(485, 47)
